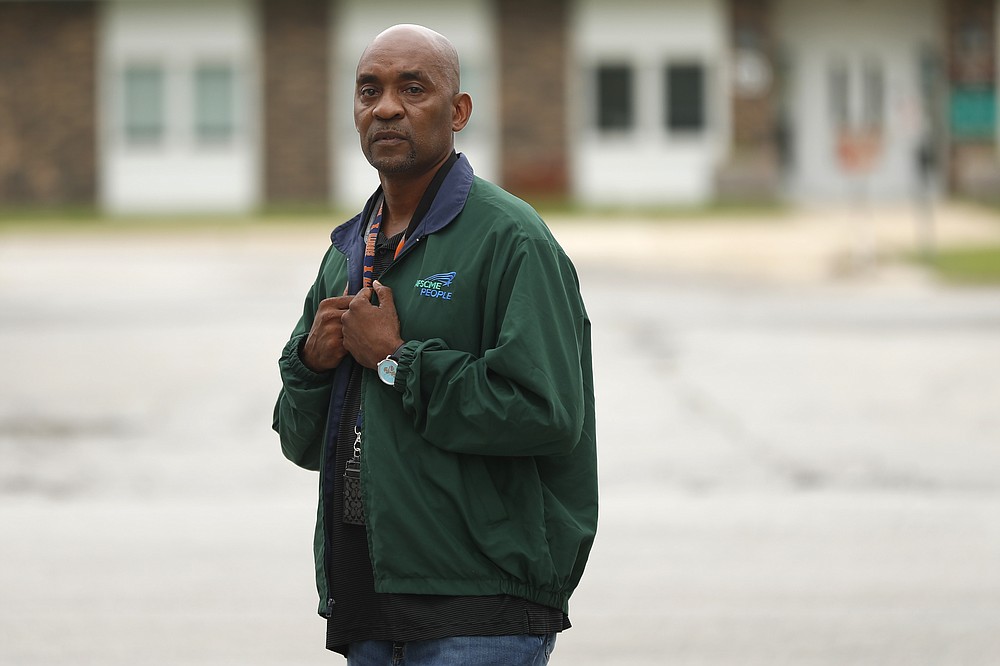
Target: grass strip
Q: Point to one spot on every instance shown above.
(972, 265)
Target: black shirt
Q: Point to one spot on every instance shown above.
(358, 612)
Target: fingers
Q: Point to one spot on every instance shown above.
(371, 331)
(335, 302)
(384, 294)
(363, 297)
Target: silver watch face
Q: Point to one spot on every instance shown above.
(387, 371)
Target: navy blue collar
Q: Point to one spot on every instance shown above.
(450, 200)
(448, 203)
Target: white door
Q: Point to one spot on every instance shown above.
(856, 101)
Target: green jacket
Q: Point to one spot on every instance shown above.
(479, 465)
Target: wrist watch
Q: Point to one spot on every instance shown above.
(387, 368)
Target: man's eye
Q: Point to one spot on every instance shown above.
(413, 90)
(367, 91)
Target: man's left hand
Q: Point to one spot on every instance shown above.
(371, 332)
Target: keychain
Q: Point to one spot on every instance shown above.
(354, 509)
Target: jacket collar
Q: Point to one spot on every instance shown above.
(449, 202)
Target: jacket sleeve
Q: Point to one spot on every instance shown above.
(524, 396)
(300, 413)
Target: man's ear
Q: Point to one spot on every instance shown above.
(461, 106)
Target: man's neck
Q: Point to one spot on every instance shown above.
(402, 196)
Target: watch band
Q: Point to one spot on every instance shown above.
(387, 367)
(395, 355)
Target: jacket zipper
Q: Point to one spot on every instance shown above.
(327, 563)
(327, 508)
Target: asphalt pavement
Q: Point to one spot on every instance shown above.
(798, 436)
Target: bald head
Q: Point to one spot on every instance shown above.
(423, 41)
(407, 103)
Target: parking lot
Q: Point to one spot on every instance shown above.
(798, 434)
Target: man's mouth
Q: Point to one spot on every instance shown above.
(388, 136)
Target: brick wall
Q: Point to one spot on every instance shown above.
(296, 100)
(48, 53)
(753, 111)
(753, 168)
(971, 39)
(534, 45)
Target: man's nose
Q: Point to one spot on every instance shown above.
(388, 106)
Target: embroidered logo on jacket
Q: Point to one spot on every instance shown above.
(433, 286)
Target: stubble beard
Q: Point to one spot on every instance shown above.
(394, 165)
(391, 164)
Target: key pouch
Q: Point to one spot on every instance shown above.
(354, 508)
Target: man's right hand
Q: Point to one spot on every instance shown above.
(324, 348)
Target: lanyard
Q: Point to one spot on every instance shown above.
(369, 264)
(418, 215)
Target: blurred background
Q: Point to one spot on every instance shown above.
(786, 219)
(233, 105)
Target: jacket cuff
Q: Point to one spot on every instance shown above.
(405, 356)
(294, 371)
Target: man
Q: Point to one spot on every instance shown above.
(440, 381)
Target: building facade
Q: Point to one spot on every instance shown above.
(230, 105)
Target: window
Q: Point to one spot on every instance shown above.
(214, 103)
(856, 90)
(873, 96)
(839, 94)
(614, 97)
(143, 102)
(685, 97)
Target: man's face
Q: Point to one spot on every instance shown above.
(403, 107)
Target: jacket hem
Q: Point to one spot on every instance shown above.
(483, 587)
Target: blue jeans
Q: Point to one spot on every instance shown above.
(525, 650)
